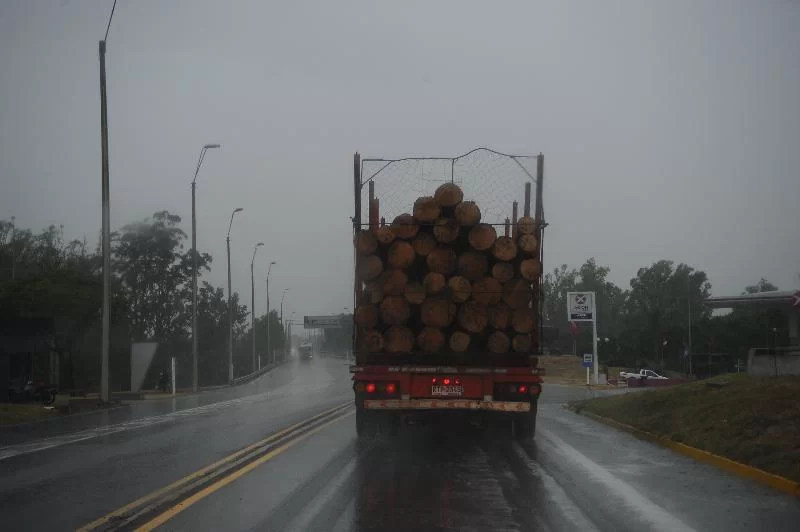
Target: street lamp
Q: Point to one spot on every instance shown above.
(230, 301)
(269, 344)
(283, 326)
(194, 265)
(253, 301)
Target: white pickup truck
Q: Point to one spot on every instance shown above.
(641, 374)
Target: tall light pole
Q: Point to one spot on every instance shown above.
(194, 265)
(253, 300)
(269, 345)
(230, 302)
(283, 326)
(105, 389)
(13, 251)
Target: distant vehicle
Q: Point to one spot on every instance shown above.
(306, 351)
(641, 374)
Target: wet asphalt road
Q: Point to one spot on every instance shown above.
(576, 474)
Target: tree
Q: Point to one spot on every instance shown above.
(212, 325)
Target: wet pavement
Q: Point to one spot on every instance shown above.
(577, 474)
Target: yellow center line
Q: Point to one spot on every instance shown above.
(197, 474)
(221, 483)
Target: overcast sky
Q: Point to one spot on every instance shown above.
(671, 129)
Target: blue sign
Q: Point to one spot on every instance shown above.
(587, 360)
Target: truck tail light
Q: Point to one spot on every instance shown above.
(370, 388)
(391, 387)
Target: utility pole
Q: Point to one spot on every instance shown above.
(689, 305)
(269, 344)
(283, 325)
(105, 389)
(253, 301)
(13, 251)
(230, 300)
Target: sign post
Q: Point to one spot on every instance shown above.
(588, 358)
(172, 375)
(581, 307)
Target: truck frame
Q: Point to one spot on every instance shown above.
(390, 388)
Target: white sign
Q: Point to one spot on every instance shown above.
(322, 322)
(587, 359)
(580, 306)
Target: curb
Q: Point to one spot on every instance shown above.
(777, 482)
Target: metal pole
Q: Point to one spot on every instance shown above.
(689, 305)
(594, 339)
(173, 376)
(13, 250)
(253, 308)
(105, 389)
(230, 311)
(194, 291)
(269, 343)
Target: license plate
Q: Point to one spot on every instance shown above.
(447, 390)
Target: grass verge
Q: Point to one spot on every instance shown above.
(752, 420)
(13, 414)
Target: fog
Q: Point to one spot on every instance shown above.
(670, 129)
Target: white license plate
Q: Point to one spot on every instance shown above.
(447, 390)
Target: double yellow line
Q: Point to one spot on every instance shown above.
(158, 507)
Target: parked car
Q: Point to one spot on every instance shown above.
(641, 374)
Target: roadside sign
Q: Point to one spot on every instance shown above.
(322, 322)
(580, 306)
(587, 360)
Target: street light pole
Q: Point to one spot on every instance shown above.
(269, 344)
(230, 301)
(105, 346)
(194, 266)
(283, 326)
(253, 301)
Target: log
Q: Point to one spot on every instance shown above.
(426, 210)
(369, 267)
(523, 320)
(487, 291)
(423, 244)
(473, 317)
(434, 283)
(366, 316)
(503, 271)
(468, 213)
(445, 230)
(442, 260)
(472, 265)
(498, 342)
(405, 227)
(398, 339)
(371, 341)
(459, 341)
(373, 292)
(448, 195)
(530, 269)
(366, 243)
(499, 316)
(415, 293)
(394, 310)
(517, 293)
(459, 289)
(430, 340)
(482, 237)
(526, 225)
(528, 244)
(393, 282)
(385, 235)
(437, 313)
(504, 248)
(401, 254)
(522, 343)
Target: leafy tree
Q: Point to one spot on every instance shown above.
(243, 356)
(212, 325)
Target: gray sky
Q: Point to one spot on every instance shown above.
(670, 129)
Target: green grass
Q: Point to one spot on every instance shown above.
(753, 420)
(12, 414)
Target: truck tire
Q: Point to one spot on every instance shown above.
(366, 427)
(525, 424)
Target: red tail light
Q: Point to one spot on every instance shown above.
(523, 388)
(370, 387)
(391, 388)
(434, 380)
(458, 382)
(446, 381)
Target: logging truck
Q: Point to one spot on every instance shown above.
(447, 317)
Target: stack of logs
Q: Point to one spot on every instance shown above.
(440, 281)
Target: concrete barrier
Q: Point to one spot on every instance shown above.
(763, 362)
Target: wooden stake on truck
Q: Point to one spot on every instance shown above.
(447, 309)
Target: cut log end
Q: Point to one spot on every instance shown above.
(369, 267)
(448, 195)
(445, 230)
(503, 271)
(398, 339)
(423, 244)
(504, 248)
(522, 343)
(468, 213)
(472, 265)
(459, 341)
(499, 316)
(393, 282)
(385, 235)
(426, 209)
(415, 293)
(526, 225)
(530, 269)
(442, 260)
(370, 341)
(487, 291)
(366, 243)
(430, 340)
(459, 289)
(523, 320)
(394, 310)
(434, 283)
(437, 313)
(517, 293)
(366, 316)
(498, 342)
(405, 227)
(473, 317)
(528, 244)
(482, 237)
(401, 254)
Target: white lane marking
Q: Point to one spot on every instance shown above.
(638, 504)
(345, 521)
(98, 432)
(322, 497)
(557, 495)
